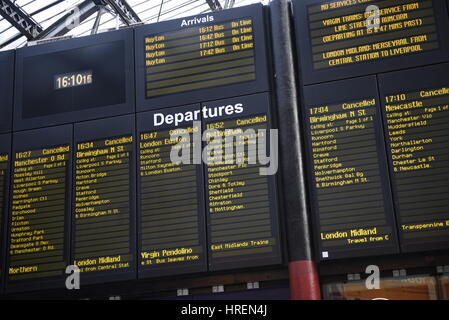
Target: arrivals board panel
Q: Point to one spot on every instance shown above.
(341, 39)
(103, 214)
(6, 90)
(201, 58)
(171, 221)
(75, 80)
(5, 151)
(416, 112)
(241, 201)
(350, 191)
(39, 219)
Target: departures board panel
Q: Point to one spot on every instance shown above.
(201, 58)
(349, 186)
(103, 214)
(241, 201)
(6, 90)
(74, 80)
(5, 160)
(416, 114)
(171, 219)
(39, 217)
(336, 39)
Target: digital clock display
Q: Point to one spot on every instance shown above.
(74, 79)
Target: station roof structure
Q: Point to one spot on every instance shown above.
(23, 21)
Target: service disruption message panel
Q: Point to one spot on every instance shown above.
(241, 202)
(38, 206)
(359, 37)
(416, 108)
(102, 205)
(171, 220)
(339, 33)
(352, 205)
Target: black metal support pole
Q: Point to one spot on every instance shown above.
(304, 283)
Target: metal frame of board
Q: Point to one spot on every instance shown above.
(5, 149)
(6, 90)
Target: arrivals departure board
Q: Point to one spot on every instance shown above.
(233, 40)
(103, 229)
(340, 39)
(200, 58)
(75, 80)
(37, 252)
(349, 186)
(416, 112)
(5, 151)
(171, 220)
(6, 90)
(241, 202)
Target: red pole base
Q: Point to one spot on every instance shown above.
(304, 281)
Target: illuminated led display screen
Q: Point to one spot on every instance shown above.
(416, 110)
(75, 80)
(340, 39)
(171, 228)
(6, 90)
(38, 225)
(241, 203)
(351, 201)
(103, 214)
(5, 150)
(233, 40)
(200, 58)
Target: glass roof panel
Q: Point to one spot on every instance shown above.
(47, 12)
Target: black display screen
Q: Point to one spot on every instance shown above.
(5, 150)
(241, 203)
(73, 80)
(103, 229)
(37, 252)
(40, 98)
(416, 112)
(171, 228)
(201, 58)
(340, 39)
(6, 90)
(349, 186)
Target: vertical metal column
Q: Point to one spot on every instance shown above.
(304, 282)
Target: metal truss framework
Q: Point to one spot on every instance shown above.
(123, 9)
(214, 5)
(32, 30)
(69, 21)
(21, 20)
